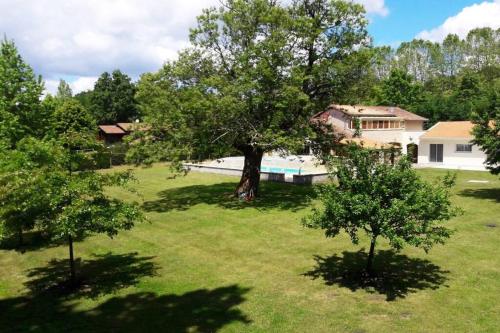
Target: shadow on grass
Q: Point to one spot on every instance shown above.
(200, 310)
(271, 195)
(482, 193)
(396, 275)
(102, 275)
(32, 241)
(51, 306)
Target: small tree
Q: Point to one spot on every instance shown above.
(22, 185)
(64, 90)
(389, 201)
(79, 206)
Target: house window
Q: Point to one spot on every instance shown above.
(464, 148)
(363, 124)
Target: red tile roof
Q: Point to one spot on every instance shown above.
(375, 111)
(111, 129)
(125, 126)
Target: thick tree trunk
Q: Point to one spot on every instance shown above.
(71, 262)
(369, 264)
(248, 188)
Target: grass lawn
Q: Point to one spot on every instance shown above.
(207, 263)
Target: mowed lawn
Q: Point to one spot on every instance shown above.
(205, 262)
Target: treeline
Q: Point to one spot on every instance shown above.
(440, 81)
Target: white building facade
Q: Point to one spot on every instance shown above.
(448, 145)
(382, 124)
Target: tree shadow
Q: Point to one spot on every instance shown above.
(32, 241)
(271, 196)
(200, 310)
(104, 274)
(492, 194)
(397, 275)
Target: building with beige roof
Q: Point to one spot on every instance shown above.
(448, 144)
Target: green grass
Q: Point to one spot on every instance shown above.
(206, 263)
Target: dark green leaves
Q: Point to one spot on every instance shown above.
(384, 200)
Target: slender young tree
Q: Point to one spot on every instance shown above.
(22, 185)
(79, 206)
(383, 201)
(64, 90)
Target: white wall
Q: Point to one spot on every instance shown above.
(414, 125)
(339, 119)
(451, 158)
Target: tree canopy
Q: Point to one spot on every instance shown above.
(254, 75)
(20, 97)
(113, 99)
(383, 200)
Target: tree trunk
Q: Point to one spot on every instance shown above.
(71, 262)
(21, 238)
(369, 264)
(248, 188)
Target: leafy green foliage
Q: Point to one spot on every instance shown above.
(112, 99)
(64, 90)
(487, 129)
(382, 200)
(20, 92)
(255, 74)
(23, 185)
(399, 89)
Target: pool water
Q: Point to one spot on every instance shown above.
(282, 170)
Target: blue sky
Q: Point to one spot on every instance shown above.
(80, 39)
(406, 18)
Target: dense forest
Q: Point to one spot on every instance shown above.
(440, 81)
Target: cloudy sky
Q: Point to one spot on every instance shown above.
(78, 39)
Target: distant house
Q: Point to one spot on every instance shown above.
(448, 145)
(114, 133)
(379, 126)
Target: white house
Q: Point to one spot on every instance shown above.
(448, 145)
(378, 124)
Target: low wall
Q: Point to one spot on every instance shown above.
(268, 176)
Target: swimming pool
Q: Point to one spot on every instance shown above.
(281, 170)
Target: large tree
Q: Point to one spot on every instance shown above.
(382, 201)
(254, 75)
(20, 97)
(113, 98)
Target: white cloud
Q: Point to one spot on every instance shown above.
(376, 7)
(83, 83)
(485, 14)
(83, 38)
(86, 37)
